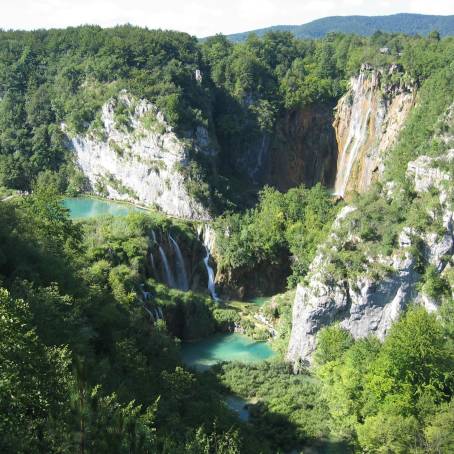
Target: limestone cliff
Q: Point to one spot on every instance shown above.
(301, 149)
(135, 155)
(368, 302)
(304, 148)
(368, 120)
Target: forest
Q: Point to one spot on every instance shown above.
(83, 370)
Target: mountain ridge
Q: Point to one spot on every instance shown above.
(407, 23)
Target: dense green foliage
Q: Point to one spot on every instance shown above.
(64, 76)
(293, 223)
(289, 410)
(49, 77)
(410, 24)
(82, 369)
(365, 396)
(395, 396)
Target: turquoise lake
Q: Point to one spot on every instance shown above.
(224, 347)
(260, 300)
(88, 207)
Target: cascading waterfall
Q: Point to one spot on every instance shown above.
(170, 281)
(356, 137)
(152, 317)
(182, 277)
(205, 234)
(153, 265)
(152, 261)
(210, 271)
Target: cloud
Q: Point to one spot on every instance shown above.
(199, 17)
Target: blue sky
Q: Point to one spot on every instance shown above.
(202, 17)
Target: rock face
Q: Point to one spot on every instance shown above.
(138, 157)
(304, 149)
(367, 304)
(368, 120)
(301, 150)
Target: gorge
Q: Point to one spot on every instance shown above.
(343, 147)
(193, 227)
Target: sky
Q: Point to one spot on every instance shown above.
(199, 17)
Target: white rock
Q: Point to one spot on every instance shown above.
(362, 305)
(142, 165)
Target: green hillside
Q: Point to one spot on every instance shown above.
(363, 25)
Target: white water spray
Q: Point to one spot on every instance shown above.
(357, 135)
(170, 281)
(182, 276)
(210, 271)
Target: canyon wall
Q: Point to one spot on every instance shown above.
(368, 120)
(301, 150)
(304, 149)
(369, 302)
(140, 158)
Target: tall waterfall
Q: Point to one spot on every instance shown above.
(206, 234)
(182, 276)
(357, 135)
(152, 317)
(170, 281)
(153, 265)
(210, 271)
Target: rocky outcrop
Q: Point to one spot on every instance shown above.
(368, 120)
(367, 304)
(136, 156)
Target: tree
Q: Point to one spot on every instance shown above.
(34, 380)
(385, 434)
(332, 343)
(414, 364)
(51, 218)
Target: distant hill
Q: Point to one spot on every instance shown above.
(362, 25)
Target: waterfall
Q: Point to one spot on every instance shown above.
(149, 313)
(153, 266)
(153, 234)
(145, 294)
(210, 271)
(161, 315)
(357, 135)
(170, 281)
(206, 235)
(182, 276)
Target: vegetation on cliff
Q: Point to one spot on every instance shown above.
(81, 366)
(279, 227)
(64, 76)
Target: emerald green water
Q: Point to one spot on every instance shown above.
(87, 207)
(260, 300)
(224, 347)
